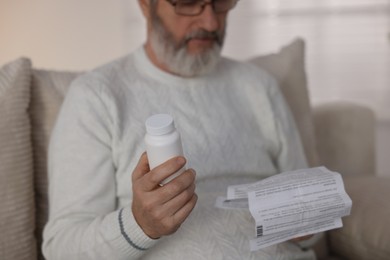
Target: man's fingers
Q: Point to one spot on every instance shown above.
(161, 172)
(176, 203)
(177, 186)
(142, 167)
(160, 210)
(185, 211)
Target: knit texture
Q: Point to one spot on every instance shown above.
(17, 216)
(233, 122)
(218, 234)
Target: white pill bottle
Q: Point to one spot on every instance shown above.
(162, 142)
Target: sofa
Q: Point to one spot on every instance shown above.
(339, 135)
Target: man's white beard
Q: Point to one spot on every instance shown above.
(176, 57)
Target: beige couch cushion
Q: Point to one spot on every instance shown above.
(47, 93)
(16, 169)
(288, 67)
(366, 232)
(340, 126)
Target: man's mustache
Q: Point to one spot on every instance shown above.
(203, 34)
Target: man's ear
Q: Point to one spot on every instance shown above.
(145, 8)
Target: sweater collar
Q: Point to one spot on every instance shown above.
(152, 71)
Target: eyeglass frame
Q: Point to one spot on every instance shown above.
(203, 5)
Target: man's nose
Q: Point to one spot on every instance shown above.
(208, 18)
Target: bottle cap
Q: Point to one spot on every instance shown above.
(159, 124)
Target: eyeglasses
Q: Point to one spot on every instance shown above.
(196, 7)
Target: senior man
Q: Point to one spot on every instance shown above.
(105, 202)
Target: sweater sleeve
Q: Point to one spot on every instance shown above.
(290, 153)
(84, 221)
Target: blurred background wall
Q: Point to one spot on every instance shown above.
(348, 42)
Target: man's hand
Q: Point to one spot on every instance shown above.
(160, 210)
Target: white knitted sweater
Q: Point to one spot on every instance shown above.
(233, 122)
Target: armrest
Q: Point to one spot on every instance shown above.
(345, 137)
(366, 233)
